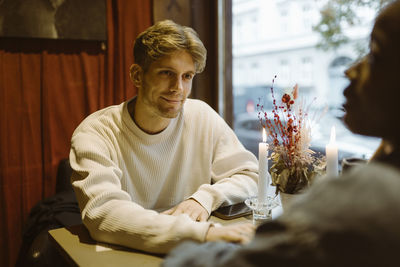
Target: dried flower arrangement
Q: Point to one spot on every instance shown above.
(295, 165)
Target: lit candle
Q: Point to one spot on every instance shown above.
(263, 169)
(332, 155)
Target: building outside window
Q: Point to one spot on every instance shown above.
(286, 46)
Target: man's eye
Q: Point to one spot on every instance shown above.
(188, 76)
(166, 72)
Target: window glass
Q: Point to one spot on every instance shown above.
(278, 37)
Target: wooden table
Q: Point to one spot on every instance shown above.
(81, 250)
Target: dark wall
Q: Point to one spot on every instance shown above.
(202, 15)
(47, 87)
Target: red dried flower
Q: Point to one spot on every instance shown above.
(285, 127)
(285, 98)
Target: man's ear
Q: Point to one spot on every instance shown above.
(136, 74)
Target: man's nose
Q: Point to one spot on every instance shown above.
(178, 84)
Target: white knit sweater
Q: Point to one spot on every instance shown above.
(123, 177)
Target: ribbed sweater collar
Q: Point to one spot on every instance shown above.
(143, 136)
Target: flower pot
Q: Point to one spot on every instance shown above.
(287, 199)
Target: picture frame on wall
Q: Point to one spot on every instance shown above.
(54, 19)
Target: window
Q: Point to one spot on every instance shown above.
(284, 70)
(307, 17)
(306, 67)
(284, 20)
(286, 46)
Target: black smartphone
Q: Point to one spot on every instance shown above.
(232, 211)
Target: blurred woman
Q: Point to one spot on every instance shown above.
(349, 221)
(372, 97)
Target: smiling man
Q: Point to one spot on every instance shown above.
(149, 172)
(163, 89)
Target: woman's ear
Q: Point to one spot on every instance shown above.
(136, 73)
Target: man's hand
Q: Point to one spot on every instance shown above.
(237, 233)
(190, 207)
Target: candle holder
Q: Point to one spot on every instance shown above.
(262, 212)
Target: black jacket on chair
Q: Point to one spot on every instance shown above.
(60, 210)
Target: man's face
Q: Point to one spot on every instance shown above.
(166, 84)
(373, 85)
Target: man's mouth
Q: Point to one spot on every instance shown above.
(173, 100)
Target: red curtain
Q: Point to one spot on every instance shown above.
(47, 87)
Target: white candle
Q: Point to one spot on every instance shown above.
(332, 155)
(263, 169)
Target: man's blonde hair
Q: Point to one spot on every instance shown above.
(165, 38)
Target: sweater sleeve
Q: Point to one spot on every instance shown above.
(109, 213)
(234, 170)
